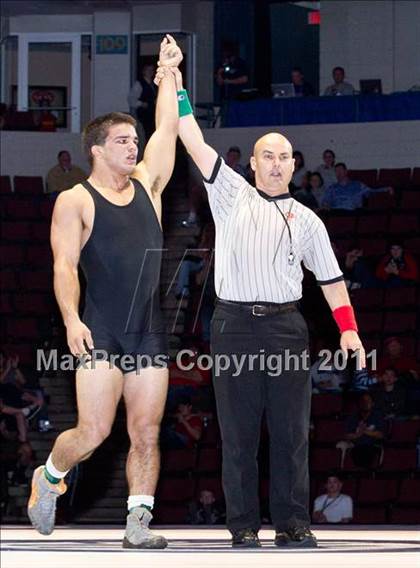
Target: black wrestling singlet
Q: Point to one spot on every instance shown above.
(121, 262)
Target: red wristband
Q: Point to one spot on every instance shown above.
(345, 319)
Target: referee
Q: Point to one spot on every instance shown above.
(262, 237)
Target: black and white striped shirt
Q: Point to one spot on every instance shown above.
(253, 244)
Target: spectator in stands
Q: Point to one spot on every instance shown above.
(365, 429)
(317, 185)
(233, 159)
(142, 99)
(205, 511)
(339, 87)
(398, 267)
(64, 175)
(17, 401)
(348, 194)
(327, 168)
(389, 395)
(302, 87)
(356, 270)
(300, 170)
(185, 429)
(232, 74)
(405, 366)
(333, 506)
(326, 378)
(307, 194)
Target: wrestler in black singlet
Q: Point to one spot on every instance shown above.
(121, 262)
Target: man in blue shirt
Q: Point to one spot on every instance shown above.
(346, 193)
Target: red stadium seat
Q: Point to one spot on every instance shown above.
(394, 177)
(23, 328)
(413, 245)
(396, 322)
(175, 489)
(39, 256)
(377, 490)
(405, 431)
(213, 484)
(36, 304)
(329, 430)
(400, 223)
(367, 299)
(381, 200)
(326, 404)
(170, 514)
(324, 459)
(46, 209)
(26, 352)
(415, 178)
(40, 231)
(373, 246)
(400, 297)
(178, 460)
(372, 224)
(372, 345)
(36, 280)
(368, 177)
(5, 185)
(6, 304)
(399, 459)
(369, 515)
(338, 226)
(8, 280)
(410, 200)
(405, 515)
(12, 255)
(28, 185)
(22, 209)
(370, 322)
(209, 460)
(15, 231)
(409, 492)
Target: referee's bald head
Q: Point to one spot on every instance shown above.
(273, 163)
(272, 139)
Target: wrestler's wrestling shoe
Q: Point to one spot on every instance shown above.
(43, 500)
(137, 532)
(296, 537)
(245, 538)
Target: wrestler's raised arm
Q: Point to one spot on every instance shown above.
(156, 167)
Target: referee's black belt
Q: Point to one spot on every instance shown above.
(262, 309)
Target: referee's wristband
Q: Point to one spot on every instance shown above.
(345, 318)
(184, 105)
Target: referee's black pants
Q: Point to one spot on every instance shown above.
(241, 401)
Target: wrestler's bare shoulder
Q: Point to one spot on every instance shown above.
(76, 197)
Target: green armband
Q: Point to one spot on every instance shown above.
(184, 105)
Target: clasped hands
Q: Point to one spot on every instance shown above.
(170, 56)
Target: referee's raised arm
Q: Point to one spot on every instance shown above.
(203, 155)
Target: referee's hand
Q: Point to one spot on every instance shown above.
(350, 340)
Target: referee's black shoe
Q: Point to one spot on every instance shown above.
(245, 538)
(296, 537)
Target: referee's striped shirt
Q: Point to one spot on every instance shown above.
(253, 245)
